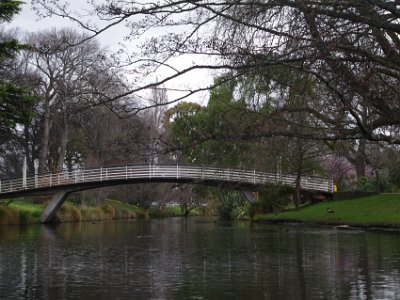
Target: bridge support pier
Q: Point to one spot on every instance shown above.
(250, 196)
(55, 203)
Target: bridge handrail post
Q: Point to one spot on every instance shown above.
(126, 171)
(177, 171)
(254, 176)
(150, 170)
(101, 173)
(50, 180)
(75, 176)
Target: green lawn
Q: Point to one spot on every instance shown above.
(167, 211)
(122, 206)
(383, 209)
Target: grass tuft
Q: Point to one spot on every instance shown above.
(69, 213)
(9, 215)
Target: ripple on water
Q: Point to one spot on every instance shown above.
(197, 259)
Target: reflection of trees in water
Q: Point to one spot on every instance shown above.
(181, 259)
(293, 264)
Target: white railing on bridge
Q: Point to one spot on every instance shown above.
(172, 172)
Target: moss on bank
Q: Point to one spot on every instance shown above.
(21, 212)
(378, 210)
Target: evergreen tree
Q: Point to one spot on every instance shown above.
(15, 103)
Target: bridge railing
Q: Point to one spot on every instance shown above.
(160, 172)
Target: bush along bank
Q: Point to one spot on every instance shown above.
(21, 213)
(381, 211)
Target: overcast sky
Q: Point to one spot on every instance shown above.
(28, 21)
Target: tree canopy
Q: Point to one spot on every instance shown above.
(206, 135)
(349, 48)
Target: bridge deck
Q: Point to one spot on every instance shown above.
(90, 178)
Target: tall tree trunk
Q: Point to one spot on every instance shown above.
(28, 149)
(300, 150)
(44, 141)
(360, 161)
(63, 144)
(296, 194)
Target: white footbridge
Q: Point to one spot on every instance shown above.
(61, 184)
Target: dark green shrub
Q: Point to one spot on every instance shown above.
(228, 204)
(271, 197)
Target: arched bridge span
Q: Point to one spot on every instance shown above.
(61, 184)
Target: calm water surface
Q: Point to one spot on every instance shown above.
(196, 259)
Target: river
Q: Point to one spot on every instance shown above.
(196, 258)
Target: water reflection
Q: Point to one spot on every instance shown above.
(196, 259)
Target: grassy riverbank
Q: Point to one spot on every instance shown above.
(374, 211)
(24, 212)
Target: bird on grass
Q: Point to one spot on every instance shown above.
(330, 210)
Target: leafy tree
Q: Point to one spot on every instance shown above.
(206, 135)
(74, 77)
(15, 102)
(182, 125)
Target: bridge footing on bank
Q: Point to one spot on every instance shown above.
(55, 203)
(250, 196)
